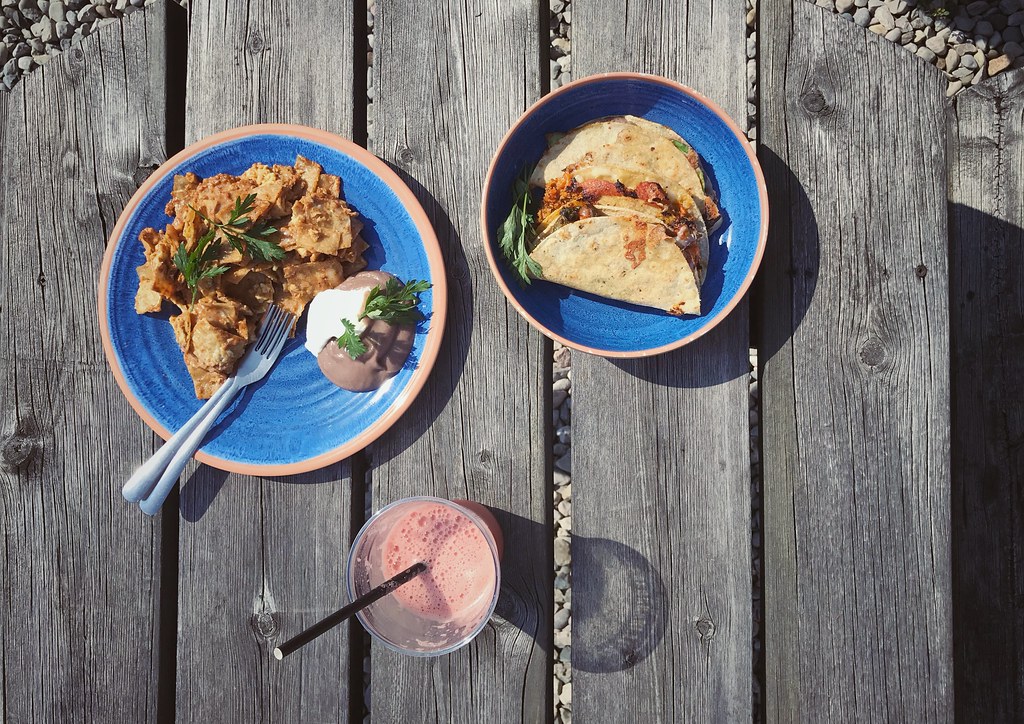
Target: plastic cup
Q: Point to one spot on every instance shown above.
(445, 607)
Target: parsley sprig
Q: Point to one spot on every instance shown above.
(198, 264)
(254, 239)
(517, 233)
(395, 303)
(351, 341)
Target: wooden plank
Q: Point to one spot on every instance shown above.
(79, 569)
(447, 86)
(987, 321)
(661, 463)
(263, 558)
(855, 385)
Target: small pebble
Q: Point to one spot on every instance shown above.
(894, 35)
(999, 64)
(1014, 50)
(964, 23)
(884, 16)
(953, 88)
(968, 62)
(845, 6)
(936, 45)
(952, 60)
(562, 552)
(977, 7)
(925, 54)
(862, 17)
(561, 618)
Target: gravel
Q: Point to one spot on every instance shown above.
(941, 35)
(32, 31)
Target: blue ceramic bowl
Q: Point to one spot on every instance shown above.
(294, 420)
(617, 329)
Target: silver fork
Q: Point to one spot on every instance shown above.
(152, 483)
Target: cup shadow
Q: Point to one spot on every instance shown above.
(620, 606)
(526, 599)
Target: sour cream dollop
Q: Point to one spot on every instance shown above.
(326, 311)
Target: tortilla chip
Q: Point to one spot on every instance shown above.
(319, 223)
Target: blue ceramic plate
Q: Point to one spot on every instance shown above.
(617, 329)
(294, 420)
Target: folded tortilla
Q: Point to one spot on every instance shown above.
(636, 208)
(621, 257)
(591, 150)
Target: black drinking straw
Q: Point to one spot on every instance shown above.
(321, 627)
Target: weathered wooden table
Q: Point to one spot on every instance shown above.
(888, 319)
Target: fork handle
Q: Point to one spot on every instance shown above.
(142, 481)
(151, 504)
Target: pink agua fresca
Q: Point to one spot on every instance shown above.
(446, 606)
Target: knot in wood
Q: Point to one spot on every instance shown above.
(705, 628)
(77, 55)
(264, 624)
(18, 450)
(256, 44)
(921, 271)
(41, 279)
(872, 352)
(630, 657)
(141, 173)
(513, 609)
(813, 101)
(406, 156)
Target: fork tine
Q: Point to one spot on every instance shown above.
(268, 317)
(273, 333)
(274, 347)
(274, 317)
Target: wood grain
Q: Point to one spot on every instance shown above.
(79, 568)
(661, 464)
(261, 559)
(987, 319)
(450, 78)
(855, 380)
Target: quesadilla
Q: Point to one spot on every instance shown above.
(627, 143)
(625, 215)
(628, 194)
(621, 258)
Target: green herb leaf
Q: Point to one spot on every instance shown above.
(350, 340)
(681, 146)
(195, 264)
(517, 232)
(254, 240)
(396, 303)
